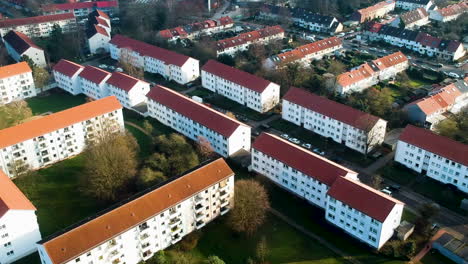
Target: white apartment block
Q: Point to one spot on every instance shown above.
(39, 26)
(450, 12)
(242, 87)
(82, 9)
(134, 231)
(372, 12)
(98, 32)
(305, 54)
(16, 83)
(44, 141)
(19, 230)
(412, 19)
(197, 29)
(415, 4)
(97, 83)
(322, 183)
(18, 45)
(370, 73)
(438, 157)
(357, 130)
(363, 212)
(171, 65)
(242, 42)
(226, 135)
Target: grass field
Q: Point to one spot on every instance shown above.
(397, 173)
(434, 257)
(56, 101)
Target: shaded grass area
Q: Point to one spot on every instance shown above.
(159, 79)
(229, 105)
(397, 173)
(320, 142)
(158, 128)
(200, 92)
(434, 257)
(143, 141)
(56, 100)
(409, 216)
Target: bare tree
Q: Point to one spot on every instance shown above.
(204, 148)
(130, 65)
(373, 131)
(251, 206)
(14, 113)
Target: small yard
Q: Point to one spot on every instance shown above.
(409, 216)
(434, 257)
(200, 92)
(56, 100)
(159, 79)
(398, 174)
(238, 109)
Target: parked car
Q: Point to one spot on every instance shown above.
(102, 66)
(386, 191)
(318, 151)
(295, 140)
(286, 136)
(394, 187)
(307, 145)
(119, 69)
(453, 75)
(112, 68)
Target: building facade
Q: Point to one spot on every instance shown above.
(98, 32)
(371, 73)
(19, 230)
(450, 12)
(81, 10)
(415, 4)
(16, 83)
(242, 42)
(39, 26)
(66, 76)
(242, 87)
(93, 82)
(357, 130)
(135, 230)
(362, 212)
(412, 19)
(171, 65)
(18, 45)
(197, 29)
(225, 135)
(129, 90)
(375, 11)
(438, 157)
(44, 141)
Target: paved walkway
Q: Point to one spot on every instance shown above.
(427, 247)
(306, 232)
(371, 169)
(138, 127)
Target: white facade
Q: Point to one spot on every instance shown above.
(68, 82)
(184, 122)
(170, 65)
(246, 89)
(438, 166)
(98, 42)
(160, 230)
(16, 83)
(35, 54)
(39, 150)
(364, 136)
(19, 233)
(39, 26)
(414, 4)
(131, 96)
(95, 90)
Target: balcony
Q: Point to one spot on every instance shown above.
(199, 208)
(199, 216)
(176, 238)
(224, 203)
(223, 194)
(174, 222)
(144, 236)
(198, 198)
(143, 227)
(199, 224)
(224, 210)
(111, 245)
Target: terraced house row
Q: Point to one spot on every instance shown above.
(197, 29)
(134, 230)
(364, 213)
(55, 137)
(39, 26)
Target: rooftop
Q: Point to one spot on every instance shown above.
(123, 81)
(19, 41)
(67, 67)
(11, 197)
(35, 20)
(14, 69)
(94, 74)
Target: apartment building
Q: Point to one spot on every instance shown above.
(364, 213)
(438, 157)
(19, 230)
(196, 121)
(171, 65)
(243, 41)
(134, 230)
(98, 32)
(44, 141)
(93, 82)
(97, 83)
(375, 11)
(303, 18)
(306, 53)
(450, 12)
(371, 73)
(432, 109)
(420, 42)
(39, 26)
(129, 90)
(357, 130)
(81, 10)
(16, 83)
(415, 4)
(18, 45)
(242, 87)
(412, 19)
(197, 29)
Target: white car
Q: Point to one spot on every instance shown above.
(453, 75)
(295, 140)
(111, 68)
(103, 66)
(386, 191)
(119, 70)
(307, 145)
(286, 136)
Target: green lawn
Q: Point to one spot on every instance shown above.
(236, 108)
(56, 101)
(143, 141)
(397, 173)
(434, 257)
(409, 216)
(159, 79)
(200, 92)
(159, 128)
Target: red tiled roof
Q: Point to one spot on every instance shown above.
(67, 67)
(371, 9)
(428, 40)
(19, 41)
(304, 50)
(363, 198)
(102, 22)
(330, 108)
(167, 56)
(122, 81)
(199, 113)
(440, 145)
(79, 5)
(309, 163)
(439, 101)
(374, 27)
(64, 247)
(390, 60)
(102, 14)
(38, 127)
(14, 69)
(166, 33)
(94, 74)
(360, 73)
(11, 197)
(249, 37)
(454, 9)
(234, 75)
(95, 29)
(226, 20)
(35, 20)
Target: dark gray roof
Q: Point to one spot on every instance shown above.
(454, 245)
(300, 13)
(399, 32)
(422, 2)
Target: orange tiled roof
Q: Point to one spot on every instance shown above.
(11, 197)
(14, 69)
(362, 72)
(438, 101)
(304, 50)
